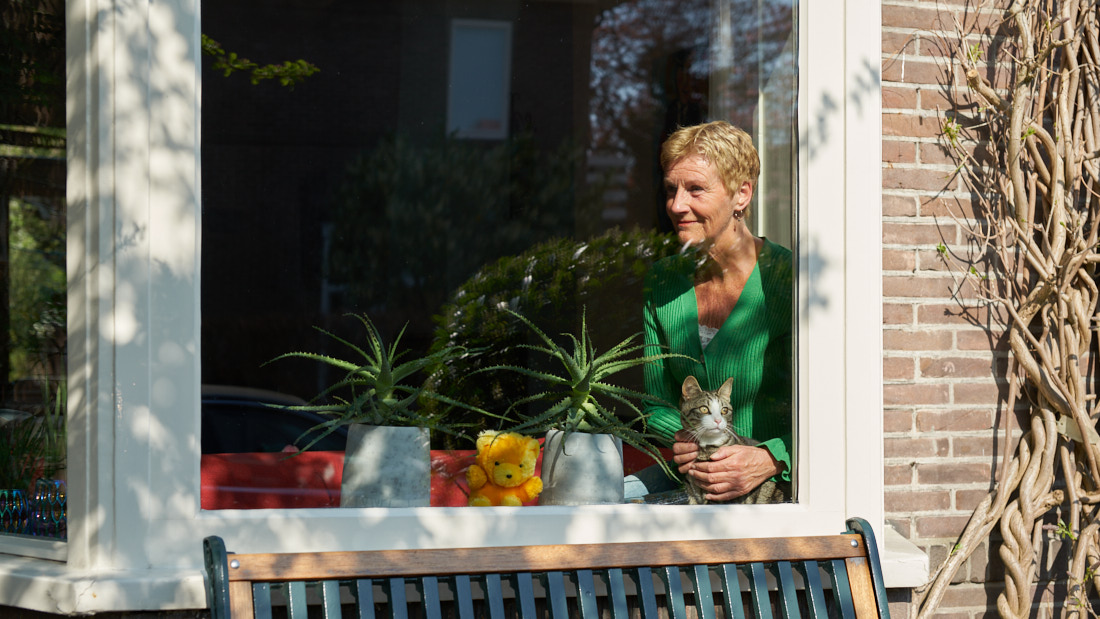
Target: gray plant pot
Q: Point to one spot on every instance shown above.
(589, 470)
(386, 466)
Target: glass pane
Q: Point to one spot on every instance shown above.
(32, 269)
(448, 161)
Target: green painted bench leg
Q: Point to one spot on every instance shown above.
(494, 596)
(842, 589)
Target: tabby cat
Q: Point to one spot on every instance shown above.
(706, 415)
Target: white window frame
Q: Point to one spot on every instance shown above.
(135, 524)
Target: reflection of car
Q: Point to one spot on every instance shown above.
(246, 420)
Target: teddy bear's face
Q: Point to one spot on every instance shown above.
(508, 460)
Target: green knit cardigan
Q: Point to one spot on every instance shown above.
(753, 346)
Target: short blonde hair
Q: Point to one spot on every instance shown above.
(729, 148)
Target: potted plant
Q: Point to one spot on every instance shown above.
(582, 454)
(387, 459)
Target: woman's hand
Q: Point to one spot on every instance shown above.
(733, 471)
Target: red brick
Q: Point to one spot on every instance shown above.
(917, 501)
(941, 526)
(967, 500)
(955, 367)
(949, 207)
(910, 286)
(899, 42)
(899, 97)
(898, 475)
(898, 368)
(916, 18)
(897, 420)
(915, 394)
(899, 260)
(898, 206)
(939, 154)
(952, 473)
(971, 595)
(953, 313)
(897, 314)
(904, 125)
(923, 71)
(969, 446)
(919, 179)
(898, 152)
(896, 339)
(915, 447)
(916, 234)
(981, 339)
(961, 420)
(979, 393)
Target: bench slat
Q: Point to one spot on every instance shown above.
(330, 599)
(647, 594)
(555, 595)
(758, 591)
(732, 601)
(616, 589)
(428, 587)
(363, 590)
(788, 592)
(674, 593)
(842, 592)
(399, 603)
(379, 563)
(586, 594)
(525, 595)
(259, 601)
(815, 591)
(494, 596)
(464, 597)
(704, 593)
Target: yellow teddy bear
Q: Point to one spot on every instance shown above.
(505, 470)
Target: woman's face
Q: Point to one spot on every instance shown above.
(697, 202)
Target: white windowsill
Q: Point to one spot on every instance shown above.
(904, 566)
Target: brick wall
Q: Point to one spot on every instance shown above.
(941, 359)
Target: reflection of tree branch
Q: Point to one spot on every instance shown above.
(290, 73)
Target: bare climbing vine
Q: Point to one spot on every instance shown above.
(1026, 135)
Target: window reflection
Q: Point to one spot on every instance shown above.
(32, 269)
(451, 158)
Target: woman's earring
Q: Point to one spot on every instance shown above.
(739, 215)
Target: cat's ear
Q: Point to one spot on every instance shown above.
(690, 388)
(726, 389)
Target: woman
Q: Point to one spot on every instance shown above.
(726, 303)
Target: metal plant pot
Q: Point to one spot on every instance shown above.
(586, 469)
(386, 466)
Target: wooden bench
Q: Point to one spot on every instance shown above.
(822, 576)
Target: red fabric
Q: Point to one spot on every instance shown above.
(312, 478)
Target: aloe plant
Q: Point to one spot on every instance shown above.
(582, 399)
(376, 387)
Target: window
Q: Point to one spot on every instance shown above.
(136, 246)
(32, 272)
(365, 201)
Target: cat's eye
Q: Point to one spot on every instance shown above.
(704, 410)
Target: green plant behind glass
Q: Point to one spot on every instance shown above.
(381, 386)
(580, 395)
(34, 447)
